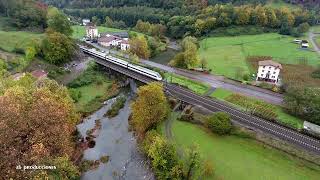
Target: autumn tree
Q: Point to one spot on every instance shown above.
(57, 48)
(37, 120)
(58, 22)
(150, 108)
(139, 46)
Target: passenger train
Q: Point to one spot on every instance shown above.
(125, 64)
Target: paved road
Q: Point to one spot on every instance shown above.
(312, 37)
(243, 118)
(212, 80)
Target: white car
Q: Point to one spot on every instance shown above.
(297, 41)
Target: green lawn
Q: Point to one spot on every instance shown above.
(80, 31)
(9, 40)
(283, 117)
(197, 87)
(227, 55)
(90, 92)
(281, 3)
(243, 159)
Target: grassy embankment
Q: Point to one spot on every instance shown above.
(281, 3)
(227, 55)
(283, 117)
(197, 87)
(240, 158)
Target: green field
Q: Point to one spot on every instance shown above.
(243, 159)
(227, 55)
(280, 4)
(10, 40)
(194, 86)
(283, 117)
(80, 31)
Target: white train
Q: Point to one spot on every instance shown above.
(125, 64)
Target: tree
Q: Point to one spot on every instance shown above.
(163, 156)
(303, 28)
(150, 108)
(37, 120)
(192, 163)
(108, 22)
(139, 46)
(220, 123)
(303, 102)
(57, 48)
(190, 54)
(203, 62)
(57, 21)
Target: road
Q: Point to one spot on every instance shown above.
(212, 80)
(243, 118)
(312, 40)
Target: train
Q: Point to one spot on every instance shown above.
(141, 70)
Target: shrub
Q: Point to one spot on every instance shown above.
(220, 123)
(208, 168)
(119, 104)
(65, 168)
(75, 94)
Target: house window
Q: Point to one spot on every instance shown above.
(274, 72)
(262, 70)
(273, 76)
(264, 67)
(269, 67)
(261, 75)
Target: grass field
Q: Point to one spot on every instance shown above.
(227, 55)
(194, 86)
(283, 117)
(80, 31)
(9, 40)
(90, 92)
(243, 159)
(281, 3)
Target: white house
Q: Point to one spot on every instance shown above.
(268, 71)
(108, 40)
(91, 31)
(85, 21)
(124, 45)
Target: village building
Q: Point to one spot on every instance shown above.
(119, 40)
(269, 71)
(92, 31)
(85, 21)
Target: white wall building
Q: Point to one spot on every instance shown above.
(269, 71)
(124, 45)
(85, 21)
(91, 31)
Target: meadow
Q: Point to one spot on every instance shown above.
(80, 31)
(227, 55)
(240, 158)
(12, 40)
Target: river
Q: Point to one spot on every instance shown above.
(114, 140)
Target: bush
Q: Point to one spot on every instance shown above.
(220, 123)
(119, 104)
(75, 94)
(208, 168)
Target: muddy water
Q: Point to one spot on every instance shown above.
(114, 140)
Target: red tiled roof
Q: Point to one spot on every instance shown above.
(270, 63)
(108, 38)
(39, 73)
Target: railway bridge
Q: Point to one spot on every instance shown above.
(291, 136)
